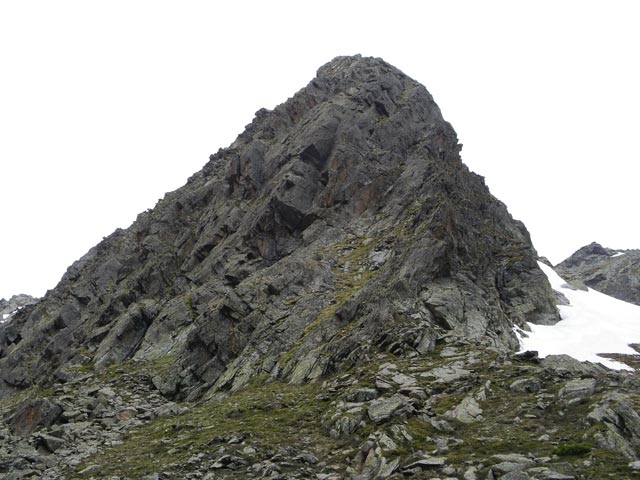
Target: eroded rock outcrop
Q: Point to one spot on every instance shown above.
(341, 223)
(614, 272)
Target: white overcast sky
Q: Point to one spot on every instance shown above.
(105, 106)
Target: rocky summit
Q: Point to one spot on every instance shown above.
(341, 223)
(333, 296)
(614, 272)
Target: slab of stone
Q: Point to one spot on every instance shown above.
(363, 395)
(526, 385)
(382, 409)
(468, 411)
(513, 457)
(427, 462)
(448, 373)
(403, 380)
(577, 391)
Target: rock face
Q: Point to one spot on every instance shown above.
(341, 222)
(614, 272)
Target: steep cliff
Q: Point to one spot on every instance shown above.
(340, 222)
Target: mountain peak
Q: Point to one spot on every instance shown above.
(340, 223)
(350, 66)
(368, 79)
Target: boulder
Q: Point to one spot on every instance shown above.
(578, 390)
(33, 414)
(382, 409)
(618, 414)
(449, 373)
(526, 385)
(467, 411)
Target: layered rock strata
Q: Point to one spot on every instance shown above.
(341, 223)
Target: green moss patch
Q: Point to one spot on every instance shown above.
(571, 449)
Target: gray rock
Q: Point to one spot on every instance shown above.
(544, 473)
(425, 463)
(249, 451)
(526, 385)
(557, 476)
(10, 307)
(403, 380)
(467, 411)
(347, 425)
(32, 414)
(106, 392)
(307, 457)
(69, 415)
(614, 272)
(228, 461)
(50, 442)
(564, 365)
(170, 408)
(471, 473)
(506, 467)
(90, 469)
(388, 467)
(513, 458)
(358, 172)
(448, 373)
(617, 412)
(515, 475)
(370, 463)
(382, 409)
(441, 425)
(363, 395)
(578, 390)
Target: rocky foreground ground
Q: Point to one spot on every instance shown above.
(459, 412)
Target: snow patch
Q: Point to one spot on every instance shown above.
(617, 254)
(593, 323)
(7, 316)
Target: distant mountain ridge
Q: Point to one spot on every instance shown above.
(614, 272)
(9, 307)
